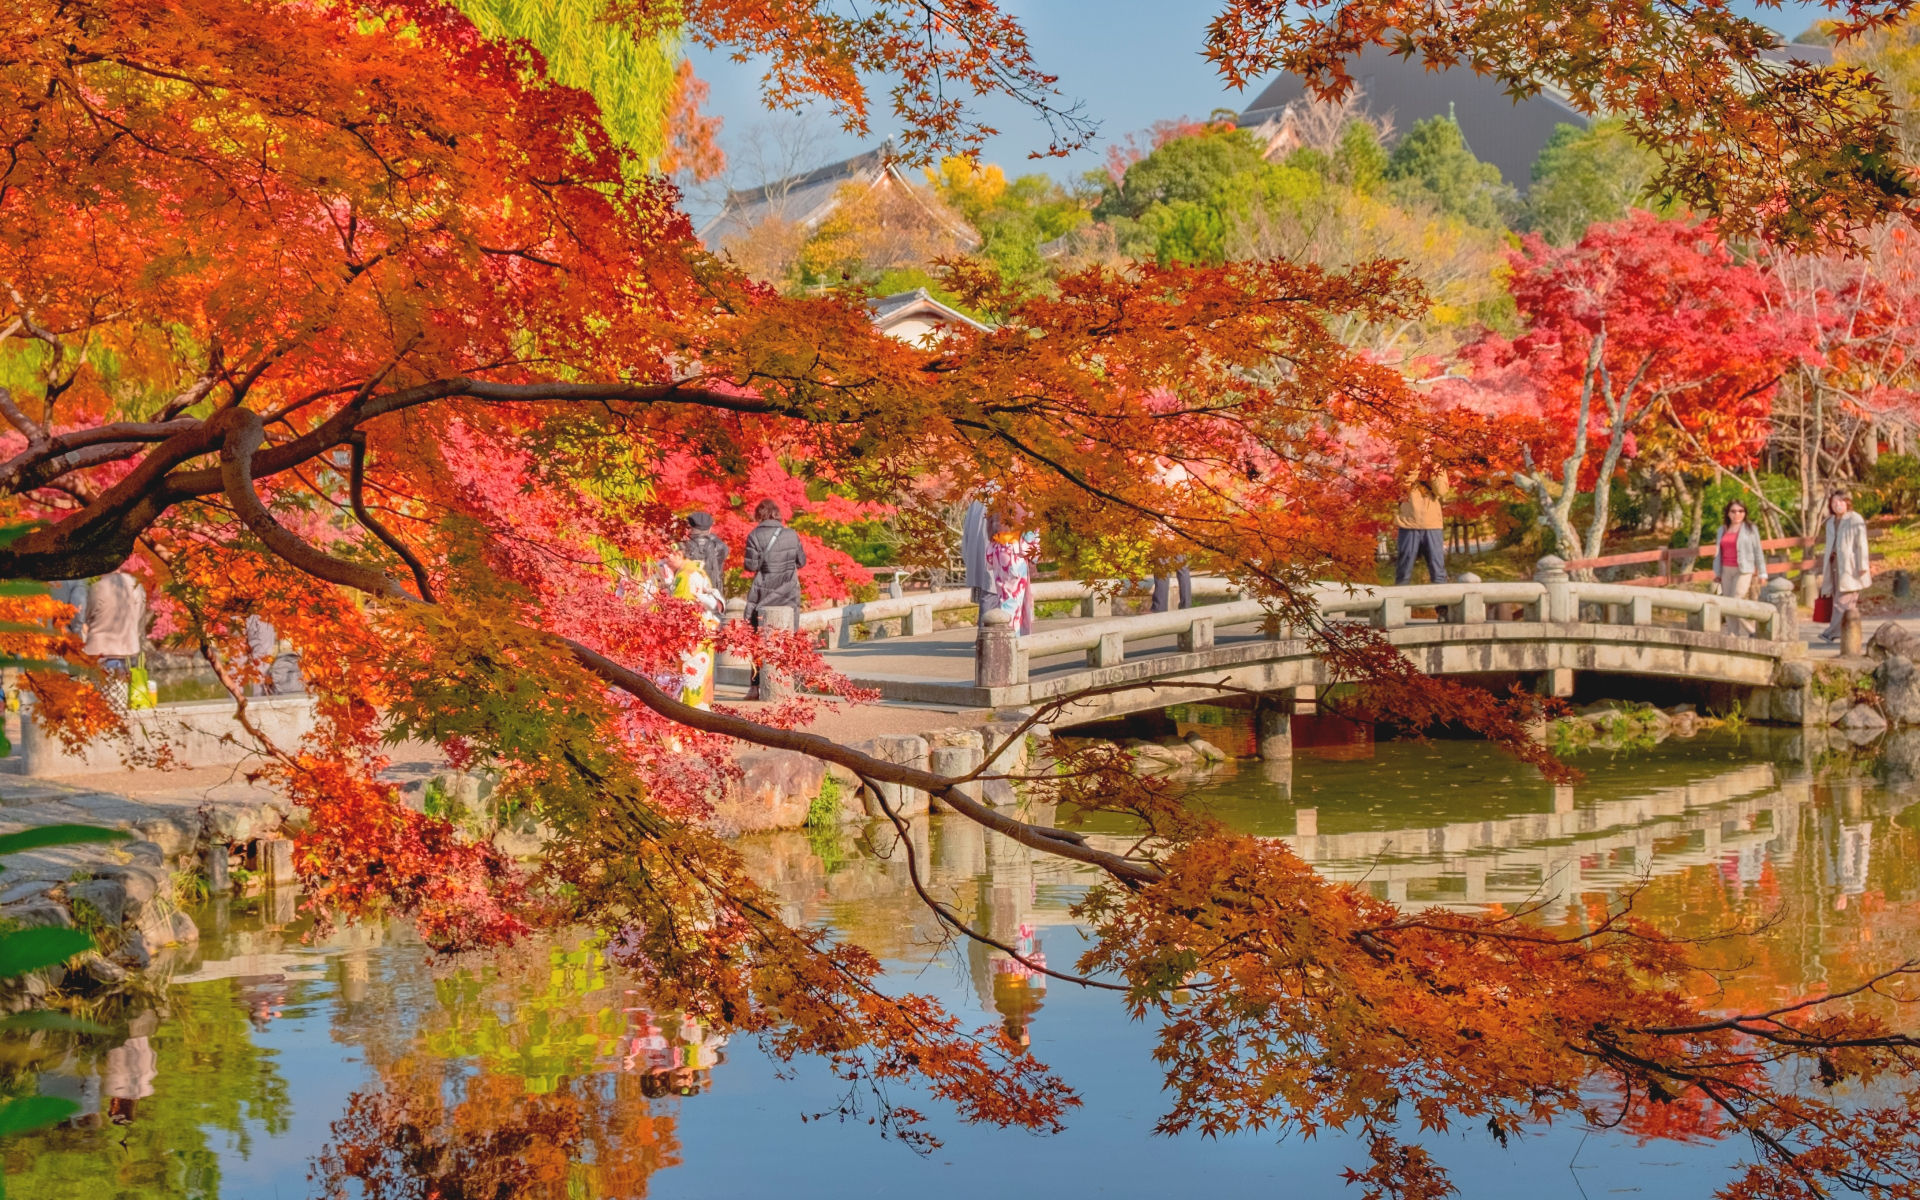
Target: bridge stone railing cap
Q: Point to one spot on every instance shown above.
(1551, 569)
(997, 616)
(1779, 583)
(1467, 577)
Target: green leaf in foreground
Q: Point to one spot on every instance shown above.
(32, 1112)
(41, 1019)
(31, 949)
(58, 835)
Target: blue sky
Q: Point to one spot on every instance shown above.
(1132, 62)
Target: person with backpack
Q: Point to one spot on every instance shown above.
(773, 556)
(704, 546)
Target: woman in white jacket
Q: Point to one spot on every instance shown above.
(1737, 556)
(1844, 569)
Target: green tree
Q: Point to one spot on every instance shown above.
(1013, 218)
(632, 79)
(1433, 165)
(1189, 199)
(1587, 175)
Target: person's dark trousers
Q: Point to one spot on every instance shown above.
(1161, 588)
(1416, 544)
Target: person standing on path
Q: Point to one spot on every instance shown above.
(1422, 526)
(773, 556)
(1737, 556)
(973, 556)
(704, 546)
(1845, 571)
(116, 627)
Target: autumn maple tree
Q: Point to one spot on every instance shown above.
(351, 318)
(1647, 331)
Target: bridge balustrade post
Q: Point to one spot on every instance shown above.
(996, 652)
(919, 620)
(777, 685)
(1096, 606)
(1785, 626)
(1392, 613)
(1706, 619)
(1111, 652)
(727, 667)
(1199, 635)
(1557, 604)
(1641, 611)
(1473, 609)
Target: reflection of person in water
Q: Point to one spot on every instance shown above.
(131, 1067)
(264, 996)
(675, 1059)
(1019, 991)
(1853, 852)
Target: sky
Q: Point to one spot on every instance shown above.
(1132, 62)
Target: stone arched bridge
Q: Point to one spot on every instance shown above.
(1544, 632)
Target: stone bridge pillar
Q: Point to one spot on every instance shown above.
(1273, 727)
(994, 651)
(1786, 621)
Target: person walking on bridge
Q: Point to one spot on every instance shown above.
(1737, 556)
(1422, 525)
(773, 556)
(1845, 571)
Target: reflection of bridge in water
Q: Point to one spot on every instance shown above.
(1738, 821)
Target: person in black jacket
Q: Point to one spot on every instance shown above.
(704, 546)
(773, 557)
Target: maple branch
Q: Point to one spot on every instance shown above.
(35, 435)
(947, 916)
(242, 434)
(356, 482)
(1063, 843)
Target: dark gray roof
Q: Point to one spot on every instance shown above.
(1507, 134)
(1499, 130)
(803, 199)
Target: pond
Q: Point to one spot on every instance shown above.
(362, 1066)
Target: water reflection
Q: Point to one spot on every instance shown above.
(358, 1066)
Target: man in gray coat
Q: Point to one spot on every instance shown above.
(773, 556)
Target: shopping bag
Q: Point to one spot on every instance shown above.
(1823, 610)
(140, 693)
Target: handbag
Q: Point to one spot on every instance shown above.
(1823, 609)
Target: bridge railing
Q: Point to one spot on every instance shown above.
(917, 612)
(1552, 600)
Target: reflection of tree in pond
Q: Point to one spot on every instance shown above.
(1832, 899)
(589, 1137)
(561, 1065)
(152, 1103)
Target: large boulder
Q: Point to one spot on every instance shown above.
(106, 897)
(1899, 686)
(1861, 717)
(774, 791)
(1893, 639)
(174, 836)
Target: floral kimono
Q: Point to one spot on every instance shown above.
(1010, 558)
(696, 665)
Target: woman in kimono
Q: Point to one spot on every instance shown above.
(690, 582)
(1010, 558)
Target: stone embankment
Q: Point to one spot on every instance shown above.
(130, 894)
